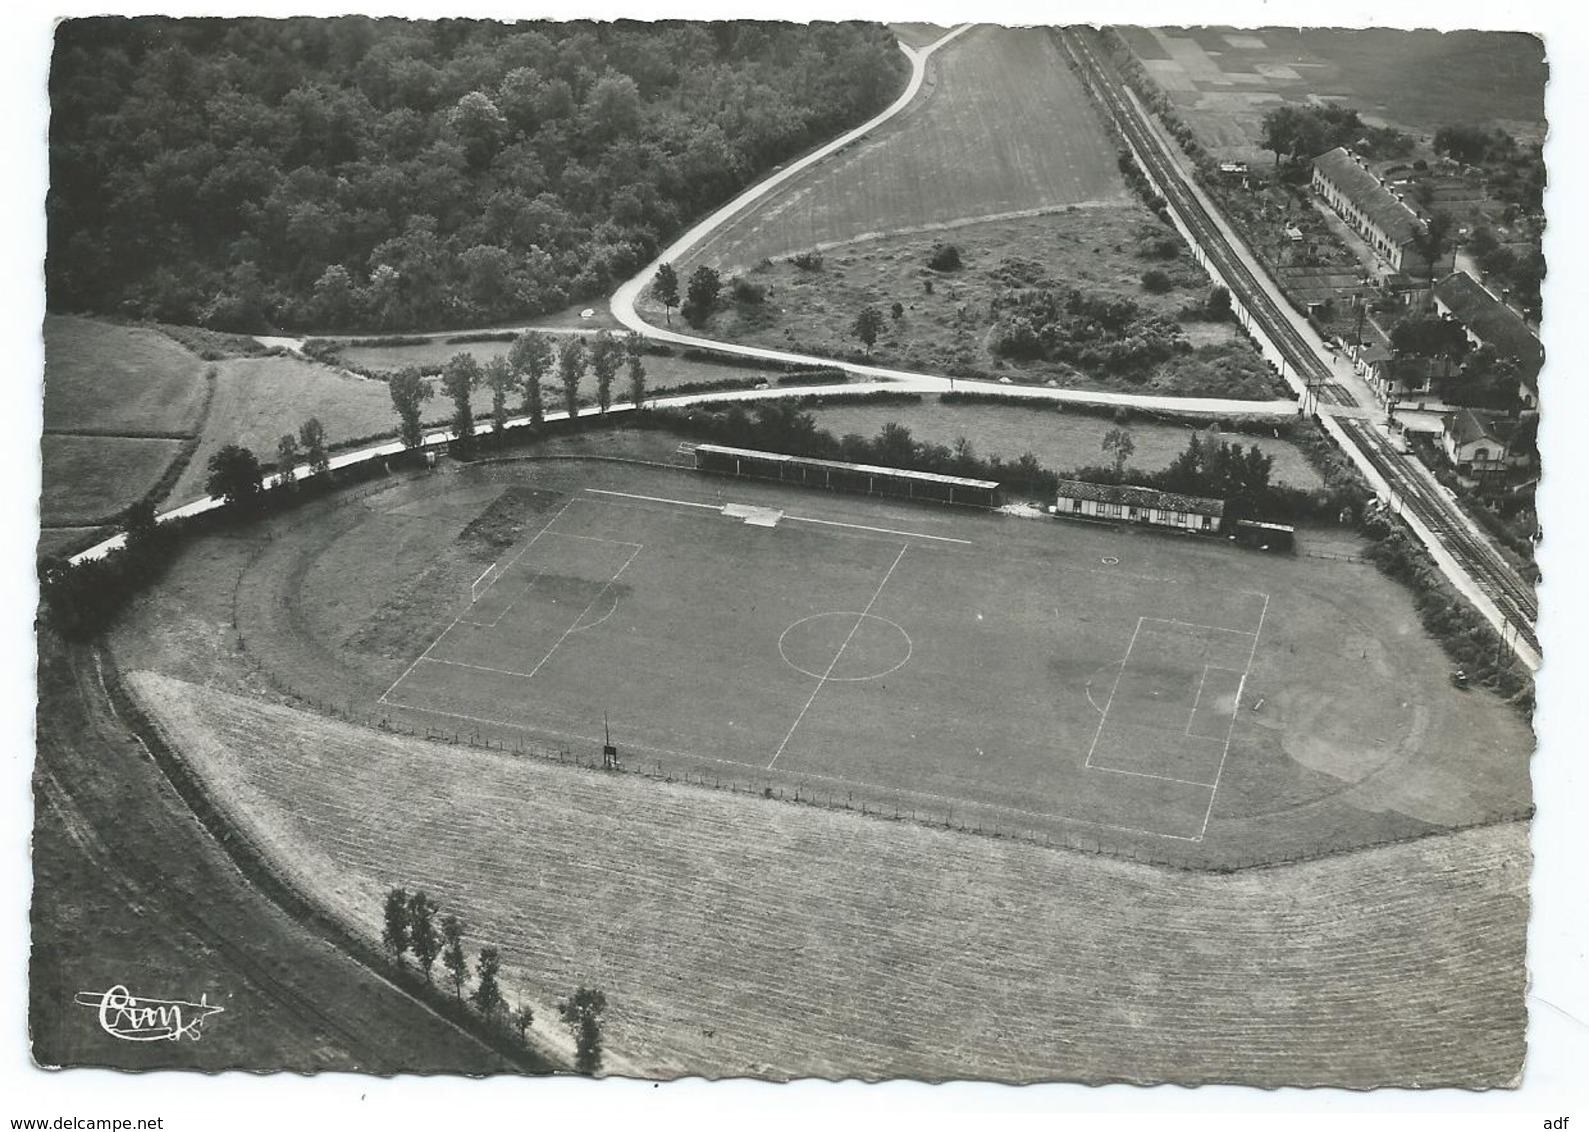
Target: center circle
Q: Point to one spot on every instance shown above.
(845, 646)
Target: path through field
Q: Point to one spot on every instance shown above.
(735, 935)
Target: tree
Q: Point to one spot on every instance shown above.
(140, 526)
(487, 995)
(605, 355)
(409, 391)
(523, 1018)
(312, 437)
(665, 289)
(1118, 442)
(582, 1014)
(1430, 242)
(422, 937)
(452, 956)
(1468, 144)
(531, 356)
(234, 476)
(571, 362)
(868, 325)
(501, 380)
(286, 460)
(394, 936)
(634, 347)
(701, 297)
(460, 377)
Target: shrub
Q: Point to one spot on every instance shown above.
(748, 293)
(807, 261)
(944, 257)
(1157, 281)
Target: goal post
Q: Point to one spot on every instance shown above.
(484, 582)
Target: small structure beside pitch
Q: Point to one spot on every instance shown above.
(1145, 505)
(836, 475)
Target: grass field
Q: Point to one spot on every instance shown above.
(1094, 250)
(1003, 126)
(736, 936)
(117, 859)
(118, 380)
(1227, 79)
(91, 479)
(1060, 440)
(259, 399)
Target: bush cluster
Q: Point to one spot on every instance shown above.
(1091, 332)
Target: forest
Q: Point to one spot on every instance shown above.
(376, 174)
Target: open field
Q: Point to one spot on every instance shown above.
(1099, 251)
(118, 380)
(1002, 126)
(1060, 440)
(978, 688)
(734, 935)
(918, 35)
(116, 859)
(259, 399)
(1226, 79)
(90, 479)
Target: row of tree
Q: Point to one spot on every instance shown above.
(353, 172)
(413, 924)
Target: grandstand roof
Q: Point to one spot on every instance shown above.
(1363, 189)
(870, 469)
(1492, 322)
(1130, 495)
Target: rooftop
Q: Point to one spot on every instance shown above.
(1130, 495)
(1469, 425)
(1378, 203)
(1492, 322)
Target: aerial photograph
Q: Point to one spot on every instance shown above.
(753, 549)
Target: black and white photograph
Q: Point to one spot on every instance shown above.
(705, 549)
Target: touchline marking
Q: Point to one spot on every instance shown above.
(878, 530)
(1235, 710)
(834, 663)
(466, 608)
(787, 517)
(655, 499)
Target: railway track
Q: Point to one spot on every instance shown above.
(1110, 90)
(1513, 595)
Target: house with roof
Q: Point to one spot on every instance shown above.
(1489, 322)
(1374, 210)
(1145, 505)
(1486, 445)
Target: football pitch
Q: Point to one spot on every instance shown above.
(883, 661)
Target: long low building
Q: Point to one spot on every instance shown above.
(1146, 505)
(1371, 207)
(836, 475)
(1489, 322)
